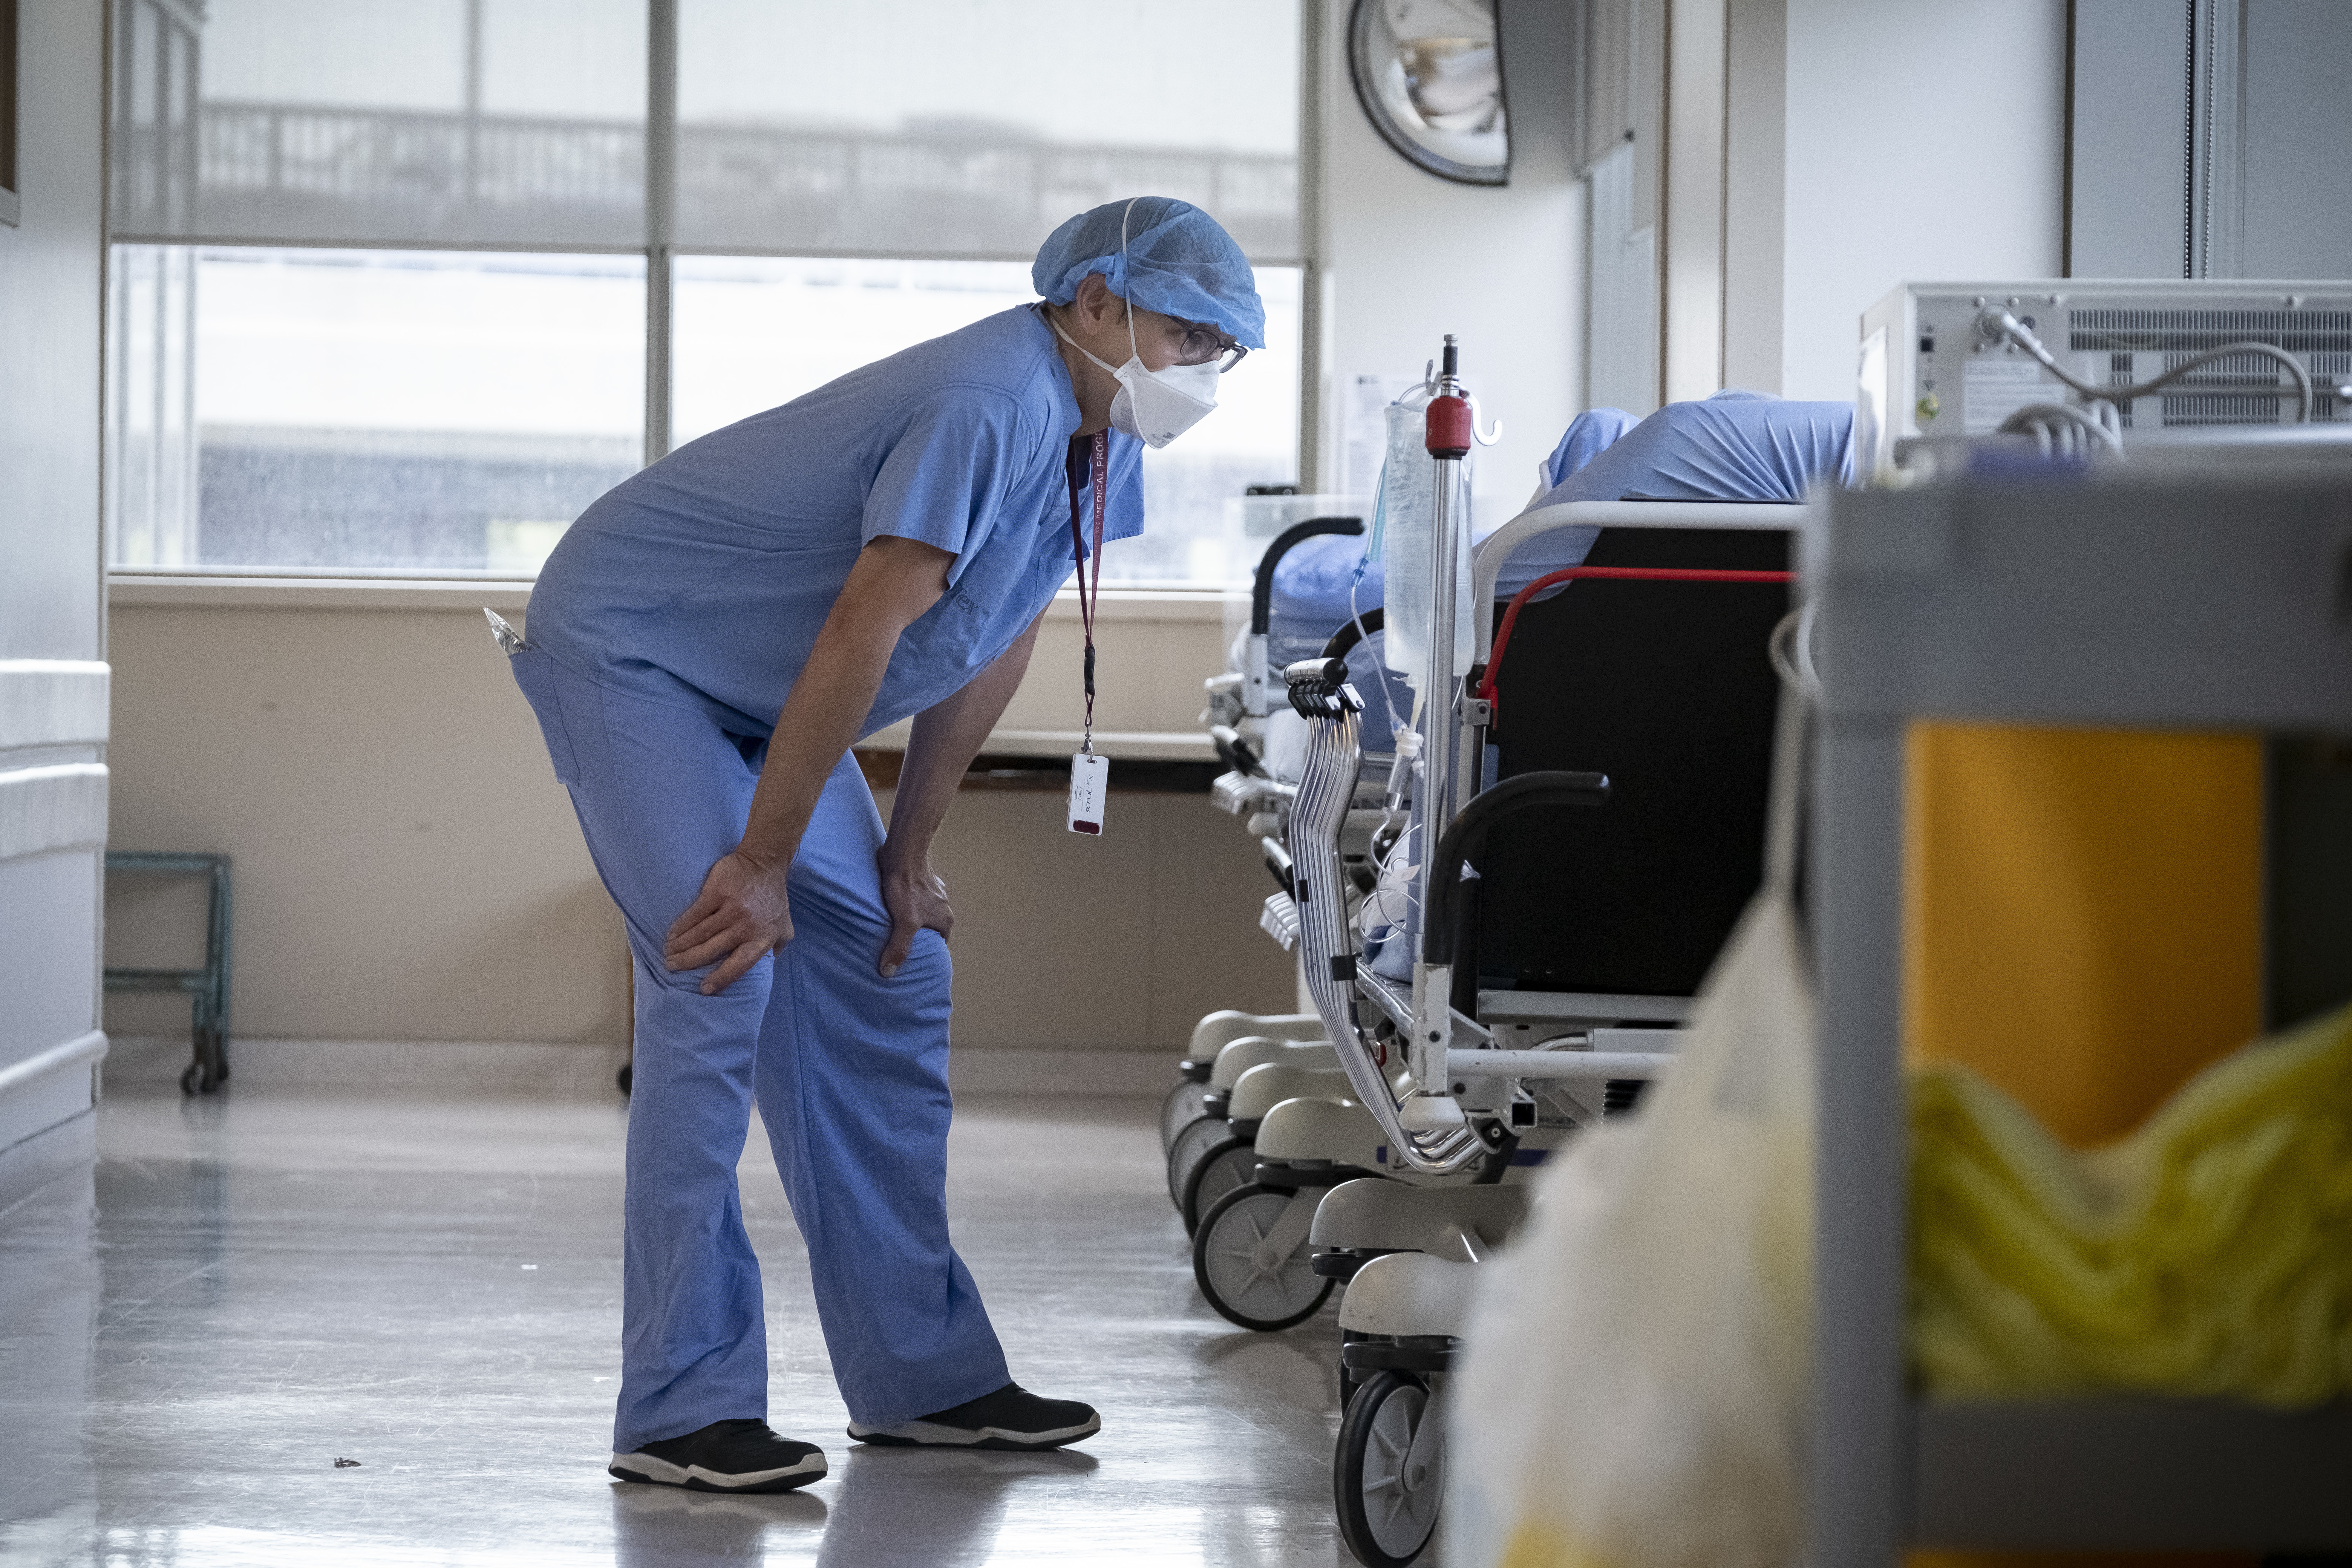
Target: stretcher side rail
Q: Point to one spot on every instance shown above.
(1479, 705)
(1568, 1064)
(1259, 681)
(1317, 686)
(1319, 691)
(1438, 1042)
(1487, 560)
(1464, 844)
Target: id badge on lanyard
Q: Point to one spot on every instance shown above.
(1089, 774)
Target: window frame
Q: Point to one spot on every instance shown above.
(661, 251)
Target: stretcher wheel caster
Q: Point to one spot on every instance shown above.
(1180, 1111)
(1196, 1138)
(1226, 1167)
(1246, 1289)
(1387, 1495)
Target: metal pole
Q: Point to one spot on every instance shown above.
(1314, 323)
(661, 216)
(1439, 744)
(1448, 432)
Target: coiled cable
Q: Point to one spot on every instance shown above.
(1996, 322)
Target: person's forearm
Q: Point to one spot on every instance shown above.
(830, 700)
(947, 736)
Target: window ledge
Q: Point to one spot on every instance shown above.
(1146, 745)
(226, 591)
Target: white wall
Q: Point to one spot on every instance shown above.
(1411, 258)
(1917, 140)
(1755, 191)
(52, 628)
(413, 897)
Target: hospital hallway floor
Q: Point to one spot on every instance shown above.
(251, 1287)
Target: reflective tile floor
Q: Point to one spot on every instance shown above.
(248, 1288)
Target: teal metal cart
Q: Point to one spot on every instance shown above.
(207, 985)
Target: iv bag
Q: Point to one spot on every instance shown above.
(1407, 522)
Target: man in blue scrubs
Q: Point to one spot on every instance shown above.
(706, 644)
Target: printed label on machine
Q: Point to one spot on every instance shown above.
(1089, 782)
(1997, 388)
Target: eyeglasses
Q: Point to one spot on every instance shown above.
(1206, 346)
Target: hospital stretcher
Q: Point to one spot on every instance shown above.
(1592, 882)
(1310, 598)
(1614, 745)
(1319, 1147)
(1333, 1191)
(1587, 909)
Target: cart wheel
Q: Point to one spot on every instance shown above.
(1181, 1107)
(621, 1079)
(1200, 1135)
(1230, 1163)
(1388, 1506)
(192, 1080)
(1257, 1293)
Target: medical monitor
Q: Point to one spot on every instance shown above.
(1934, 363)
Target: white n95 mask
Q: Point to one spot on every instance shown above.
(1154, 405)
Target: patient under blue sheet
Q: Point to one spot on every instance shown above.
(1734, 446)
(1590, 434)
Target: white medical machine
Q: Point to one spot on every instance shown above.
(2097, 362)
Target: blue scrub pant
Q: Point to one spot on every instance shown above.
(849, 1071)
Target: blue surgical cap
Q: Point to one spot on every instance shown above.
(1178, 260)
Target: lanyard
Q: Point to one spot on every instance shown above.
(1087, 597)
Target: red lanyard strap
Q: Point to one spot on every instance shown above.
(1087, 597)
(1607, 573)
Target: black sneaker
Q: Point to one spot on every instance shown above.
(1012, 1417)
(725, 1457)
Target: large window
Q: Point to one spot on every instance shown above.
(402, 288)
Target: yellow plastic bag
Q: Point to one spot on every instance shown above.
(2209, 1253)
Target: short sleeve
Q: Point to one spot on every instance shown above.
(945, 479)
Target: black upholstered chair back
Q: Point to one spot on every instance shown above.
(1667, 687)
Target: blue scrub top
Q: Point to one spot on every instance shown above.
(705, 578)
